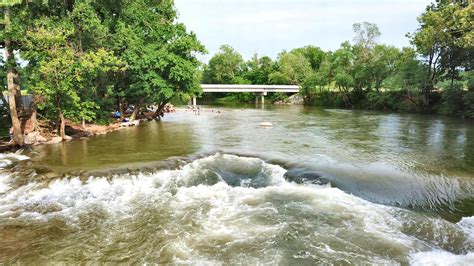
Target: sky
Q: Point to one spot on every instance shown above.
(266, 27)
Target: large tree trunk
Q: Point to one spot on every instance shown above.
(137, 109)
(159, 112)
(18, 98)
(62, 128)
(18, 137)
(17, 132)
(134, 113)
(29, 122)
(28, 119)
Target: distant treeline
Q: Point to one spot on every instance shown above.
(435, 75)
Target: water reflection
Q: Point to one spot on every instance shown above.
(147, 143)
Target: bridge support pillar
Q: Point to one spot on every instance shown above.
(262, 97)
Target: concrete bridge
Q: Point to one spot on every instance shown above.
(258, 90)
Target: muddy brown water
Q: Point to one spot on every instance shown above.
(319, 186)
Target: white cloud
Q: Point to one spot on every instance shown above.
(269, 26)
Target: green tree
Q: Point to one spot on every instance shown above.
(383, 64)
(159, 53)
(293, 68)
(366, 34)
(257, 69)
(313, 54)
(363, 66)
(68, 70)
(445, 39)
(224, 66)
(409, 72)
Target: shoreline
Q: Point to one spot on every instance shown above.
(76, 131)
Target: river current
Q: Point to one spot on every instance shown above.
(319, 186)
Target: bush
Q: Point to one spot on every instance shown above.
(329, 99)
(358, 99)
(385, 101)
(5, 122)
(277, 96)
(452, 102)
(468, 101)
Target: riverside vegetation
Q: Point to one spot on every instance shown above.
(83, 59)
(435, 75)
(86, 59)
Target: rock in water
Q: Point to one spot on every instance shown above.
(55, 140)
(266, 124)
(130, 124)
(34, 138)
(303, 176)
(295, 99)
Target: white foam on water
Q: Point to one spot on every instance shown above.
(442, 258)
(467, 225)
(5, 162)
(7, 159)
(16, 156)
(233, 214)
(211, 223)
(4, 180)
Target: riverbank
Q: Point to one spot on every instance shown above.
(73, 130)
(48, 134)
(449, 102)
(452, 103)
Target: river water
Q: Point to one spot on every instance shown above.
(319, 186)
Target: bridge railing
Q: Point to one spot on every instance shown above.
(249, 88)
(260, 90)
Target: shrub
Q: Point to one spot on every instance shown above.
(452, 101)
(329, 99)
(468, 101)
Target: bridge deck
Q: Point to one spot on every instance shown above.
(249, 88)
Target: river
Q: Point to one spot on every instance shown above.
(319, 186)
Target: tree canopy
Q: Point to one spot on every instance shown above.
(86, 57)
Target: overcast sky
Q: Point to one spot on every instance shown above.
(267, 27)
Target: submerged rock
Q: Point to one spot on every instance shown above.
(302, 176)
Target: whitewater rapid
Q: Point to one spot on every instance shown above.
(221, 209)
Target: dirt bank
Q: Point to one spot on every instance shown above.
(73, 131)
